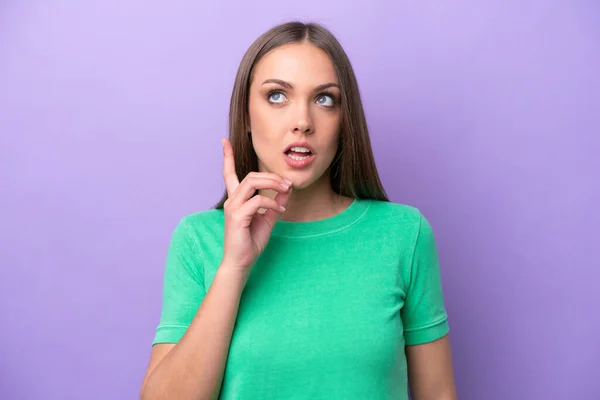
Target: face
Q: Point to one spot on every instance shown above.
(294, 98)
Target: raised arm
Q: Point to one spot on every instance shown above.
(193, 367)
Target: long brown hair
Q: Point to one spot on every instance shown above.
(353, 171)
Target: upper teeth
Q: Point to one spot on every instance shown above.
(300, 149)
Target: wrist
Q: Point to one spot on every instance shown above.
(234, 276)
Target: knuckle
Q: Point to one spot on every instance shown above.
(258, 199)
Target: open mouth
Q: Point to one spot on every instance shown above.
(298, 155)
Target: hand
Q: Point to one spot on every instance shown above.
(247, 232)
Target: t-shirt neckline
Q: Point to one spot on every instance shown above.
(349, 216)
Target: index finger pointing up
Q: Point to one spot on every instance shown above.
(229, 175)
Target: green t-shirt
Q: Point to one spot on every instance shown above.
(328, 307)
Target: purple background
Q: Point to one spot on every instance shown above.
(484, 115)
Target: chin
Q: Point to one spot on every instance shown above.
(302, 179)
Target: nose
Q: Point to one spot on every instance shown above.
(303, 120)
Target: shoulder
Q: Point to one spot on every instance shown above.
(198, 223)
(395, 213)
(400, 219)
(201, 218)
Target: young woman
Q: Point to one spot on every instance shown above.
(304, 282)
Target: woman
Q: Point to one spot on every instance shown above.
(304, 282)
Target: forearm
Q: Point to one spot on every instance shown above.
(193, 369)
(447, 395)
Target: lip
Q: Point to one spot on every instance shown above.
(299, 144)
(298, 164)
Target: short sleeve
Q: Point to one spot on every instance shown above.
(183, 286)
(424, 315)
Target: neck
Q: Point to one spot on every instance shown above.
(316, 202)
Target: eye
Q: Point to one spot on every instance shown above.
(326, 100)
(276, 97)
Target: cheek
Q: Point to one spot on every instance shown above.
(332, 126)
(261, 113)
(263, 128)
(333, 147)
(257, 117)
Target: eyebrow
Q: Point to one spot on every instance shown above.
(290, 86)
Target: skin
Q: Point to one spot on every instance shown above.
(430, 372)
(291, 108)
(285, 106)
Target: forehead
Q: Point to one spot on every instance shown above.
(297, 63)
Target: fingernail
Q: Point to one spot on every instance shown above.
(287, 181)
(282, 208)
